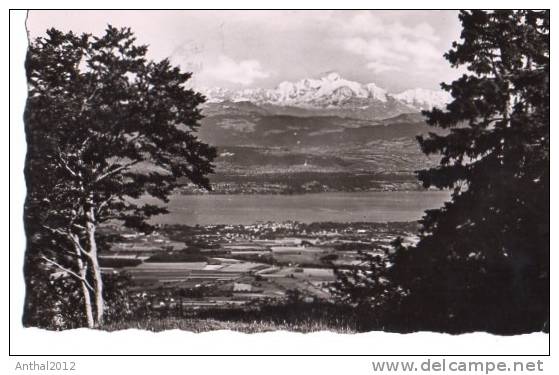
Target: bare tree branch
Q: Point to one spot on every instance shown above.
(72, 237)
(116, 170)
(69, 271)
(55, 230)
(64, 163)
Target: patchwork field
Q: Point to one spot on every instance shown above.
(236, 265)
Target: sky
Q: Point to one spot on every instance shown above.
(397, 50)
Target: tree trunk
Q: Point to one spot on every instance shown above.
(98, 285)
(87, 305)
(82, 268)
(86, 293)
(96, 270)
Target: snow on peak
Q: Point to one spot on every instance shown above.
(215, 94)
(333, 76)
(423, 98)
(328, 91)
(376, 92)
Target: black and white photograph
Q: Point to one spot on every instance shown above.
(346, 171)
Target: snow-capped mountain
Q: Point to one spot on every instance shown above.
(333, 95)
(330, 90)
(424, 99)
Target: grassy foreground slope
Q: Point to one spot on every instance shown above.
(205, 325)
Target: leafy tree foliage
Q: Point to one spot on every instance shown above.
(482, 262)
(106, 127)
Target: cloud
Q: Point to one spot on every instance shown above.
(371, 24)
(379, 67)
(391, 46)
(374, 49)
(244, 72)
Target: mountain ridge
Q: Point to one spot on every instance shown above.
(331, 95)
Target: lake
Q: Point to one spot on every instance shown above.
(338, 207)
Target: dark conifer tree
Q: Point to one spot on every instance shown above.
(482, 262)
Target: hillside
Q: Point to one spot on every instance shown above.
(269, 153)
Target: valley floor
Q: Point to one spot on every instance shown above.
(223, 270)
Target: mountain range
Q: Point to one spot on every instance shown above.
(330, 95)
(316, 135)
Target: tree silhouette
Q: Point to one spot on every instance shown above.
(482, 261)
(105, 127)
